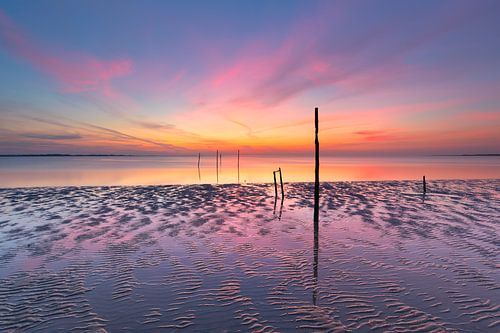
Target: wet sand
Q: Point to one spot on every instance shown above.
(225, 258)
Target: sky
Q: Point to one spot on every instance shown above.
(182, 77)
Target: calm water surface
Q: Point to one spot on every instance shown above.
(130, 170)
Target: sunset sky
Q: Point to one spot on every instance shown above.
(178, 77)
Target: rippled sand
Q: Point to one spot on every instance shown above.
(208, 258)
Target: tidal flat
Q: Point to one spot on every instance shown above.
(233, 258)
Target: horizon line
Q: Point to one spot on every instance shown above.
(251, 154)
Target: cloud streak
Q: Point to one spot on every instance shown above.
(75, 72)
(46, 136)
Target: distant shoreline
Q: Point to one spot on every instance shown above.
(471, 155)
(145, 155)
(68, 155)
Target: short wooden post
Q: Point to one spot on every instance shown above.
(275, 185)
(281, 182)
(425, 185)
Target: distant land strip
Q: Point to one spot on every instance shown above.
(469, 155)
(150, 155)
(64, 155)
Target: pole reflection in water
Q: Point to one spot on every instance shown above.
(281, 208)
(315, 263)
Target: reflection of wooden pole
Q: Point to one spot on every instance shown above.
(199, 173)
(281, 182)
(316, 172)
(238, 166)
(281, 209)
(275, 185)
(217, 165)
(315, 268)
(425, 185)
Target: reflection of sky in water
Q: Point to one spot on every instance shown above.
(61, 171)
(205, 257)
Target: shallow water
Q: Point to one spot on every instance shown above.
(154, 170)
(224, 258)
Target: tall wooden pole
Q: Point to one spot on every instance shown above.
(217, 165)
(425, 185)
(238, 166)
(316, 173)
(316, 208)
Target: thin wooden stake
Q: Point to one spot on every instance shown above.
(425, 185)
(281, 182)
(275, 185)
(199, 173)
(217, 165)
(238, 166)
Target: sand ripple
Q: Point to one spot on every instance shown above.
(223, 258)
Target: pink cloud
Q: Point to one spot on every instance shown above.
(266, 74)
(75, 72)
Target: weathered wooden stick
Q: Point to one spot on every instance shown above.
(316, 206)
(425, 185)
(275, 185)
(217, 165)
(238, 166)
(281, 182)
(199, 173)
(316, 175)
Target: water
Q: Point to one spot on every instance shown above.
(135, 170)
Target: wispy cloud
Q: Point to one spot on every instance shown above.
(377, 135)
(46, 136)
(101, 131)
(154, 125)
(75, 72)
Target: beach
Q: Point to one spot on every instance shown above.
(227, 258)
